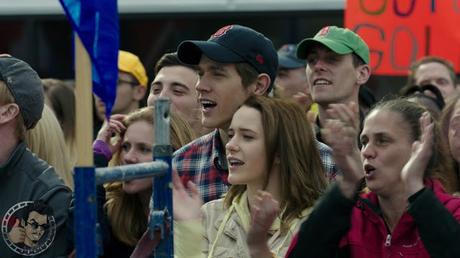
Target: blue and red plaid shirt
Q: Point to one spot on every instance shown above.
(203, 162)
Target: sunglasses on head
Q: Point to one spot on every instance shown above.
(438, 99)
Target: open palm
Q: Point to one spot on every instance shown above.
(422, 150)
(341, 132)
(186, 205)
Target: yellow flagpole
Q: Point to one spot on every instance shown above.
(84, 110)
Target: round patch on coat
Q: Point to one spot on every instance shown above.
(28, 228)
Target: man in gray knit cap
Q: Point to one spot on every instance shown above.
(35, 203)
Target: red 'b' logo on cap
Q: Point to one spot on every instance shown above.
(260, 59)
(221, 31)
(324, 31)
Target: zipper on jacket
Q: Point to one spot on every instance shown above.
(388, 240)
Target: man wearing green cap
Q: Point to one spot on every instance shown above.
(337, 65)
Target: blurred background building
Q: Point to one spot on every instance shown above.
(38, 32)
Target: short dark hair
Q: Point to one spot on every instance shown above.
(39, 207)
(247, 73)
(171, 59)
(357, 61)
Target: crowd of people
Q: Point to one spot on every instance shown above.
(277, 153)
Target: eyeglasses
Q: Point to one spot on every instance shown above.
(120, 82)
(35, 225)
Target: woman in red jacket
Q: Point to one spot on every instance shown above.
(406, 212)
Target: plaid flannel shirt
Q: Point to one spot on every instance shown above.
(325, 153)
(203, 162)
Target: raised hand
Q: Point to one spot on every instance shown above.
(264, 210)
(304, 100)
(341, 133)
(17, 233)
(186, 206)
(414, 170)
(113, 125)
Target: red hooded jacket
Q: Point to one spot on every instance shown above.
(368, 235)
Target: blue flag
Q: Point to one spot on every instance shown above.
(96, 23)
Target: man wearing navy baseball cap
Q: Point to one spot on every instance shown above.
(233, 64)
(236, 62)
(26, 180)
(236, 44)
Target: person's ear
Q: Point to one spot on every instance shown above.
(262, 83)
(363, 74)
(8, 112)
(139, 92)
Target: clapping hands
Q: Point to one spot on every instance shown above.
(264, 211)
(413, 172)
(341, 134)
(186, 205)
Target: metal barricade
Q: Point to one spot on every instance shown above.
(87, 242)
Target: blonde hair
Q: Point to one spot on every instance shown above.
(125, 211)
(46, 140)
(7, 98)
(5, 94)
(289, 138)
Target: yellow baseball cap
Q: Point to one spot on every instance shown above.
(130, 63)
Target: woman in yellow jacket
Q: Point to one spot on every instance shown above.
(275, 170)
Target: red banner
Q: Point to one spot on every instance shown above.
(399, 32)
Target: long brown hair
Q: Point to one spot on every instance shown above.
(60, 97)
(126, 212)
(289, 138)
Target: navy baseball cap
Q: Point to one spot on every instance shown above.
(233, 44)
(287, 57)
(25, 86)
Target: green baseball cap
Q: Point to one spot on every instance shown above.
(341, 41)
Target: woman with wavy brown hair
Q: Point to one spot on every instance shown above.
(272, 159)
